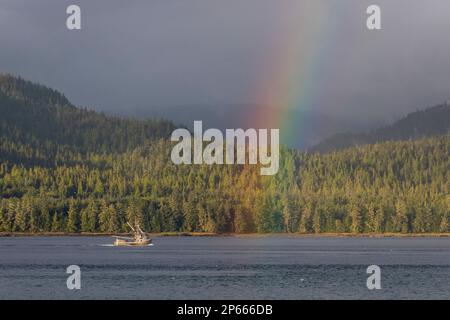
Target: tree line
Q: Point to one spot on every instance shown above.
(65, 169)
(389, 187)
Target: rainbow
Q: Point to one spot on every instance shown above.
(290, 82)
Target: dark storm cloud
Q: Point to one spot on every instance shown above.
(161, 53)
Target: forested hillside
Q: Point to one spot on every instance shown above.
(38, 116)
(61, 171)
(430, 122)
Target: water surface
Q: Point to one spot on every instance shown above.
(279, 267)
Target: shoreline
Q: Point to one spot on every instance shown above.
(238, 235)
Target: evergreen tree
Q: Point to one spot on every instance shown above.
(56, 223)
(355, 216)
(401, 216)
(305, 219)
(72, 223)
(317, 221)
(444, 225)
(84, 221)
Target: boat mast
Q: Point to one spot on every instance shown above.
(131, 226)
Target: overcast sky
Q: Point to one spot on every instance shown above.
(161, 53)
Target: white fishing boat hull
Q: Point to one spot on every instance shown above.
(127, 243)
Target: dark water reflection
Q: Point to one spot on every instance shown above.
(278, 267)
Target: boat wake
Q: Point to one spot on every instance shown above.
(112, 245)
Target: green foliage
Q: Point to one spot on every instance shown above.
(72, 223)
(424, 123)
(43, 121)
(391, 187)
(66, 169)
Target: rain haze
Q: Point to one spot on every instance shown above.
(200, 58)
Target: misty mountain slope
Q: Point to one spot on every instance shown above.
(310, 128)
(34, 114)
(433, 121)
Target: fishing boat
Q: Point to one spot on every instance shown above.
(139, 239)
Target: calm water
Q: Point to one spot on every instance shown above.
(226, 268)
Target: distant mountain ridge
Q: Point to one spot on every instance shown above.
(433, 121)
(313, 126)
(35, 114)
